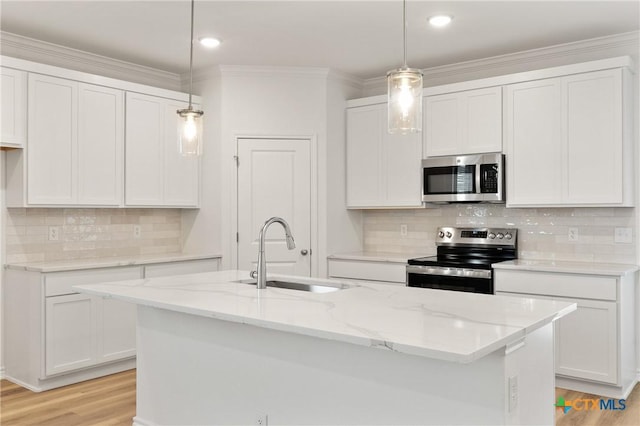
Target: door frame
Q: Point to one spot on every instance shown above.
(313, 224)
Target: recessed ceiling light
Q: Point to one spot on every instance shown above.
(440, 20)
(209, 42)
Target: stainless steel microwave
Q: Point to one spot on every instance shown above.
(463, 178)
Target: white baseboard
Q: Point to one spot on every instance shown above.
(137, 421)
(2, 372)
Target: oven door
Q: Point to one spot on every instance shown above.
(454, 279)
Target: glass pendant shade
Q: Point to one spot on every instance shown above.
(190, 131)
(189, 119)
(404, 100)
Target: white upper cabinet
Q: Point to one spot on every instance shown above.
(100, 145)
(75, 142)
(156, 174)
(13, 108)
(466, 122)
(72, 129)
(53, 141)
(568, 142)
(383, 170)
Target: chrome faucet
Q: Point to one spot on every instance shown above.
(261, 274)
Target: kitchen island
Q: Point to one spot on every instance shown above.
(212, 350)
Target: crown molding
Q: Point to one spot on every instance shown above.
(53, 54)
(528, 59)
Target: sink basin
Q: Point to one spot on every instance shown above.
(312, 288)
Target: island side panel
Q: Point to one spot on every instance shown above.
(197, 370)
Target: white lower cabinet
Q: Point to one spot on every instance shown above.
(55, 336)
(366, 270)
(587, 342)
(70, 338)
(594, 345)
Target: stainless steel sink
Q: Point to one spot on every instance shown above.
(313, 288)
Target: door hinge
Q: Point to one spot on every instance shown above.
(237, 160)
(237, 237)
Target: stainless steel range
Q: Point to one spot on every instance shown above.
(464, 259)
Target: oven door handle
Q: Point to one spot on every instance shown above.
(450, 272)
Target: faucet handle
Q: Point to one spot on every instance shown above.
(254, 274)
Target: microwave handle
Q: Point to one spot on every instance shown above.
(477, 177)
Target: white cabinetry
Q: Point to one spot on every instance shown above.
(594, 345)
(156, 174)
(55, 336)
(13, 108)
(367, 270)
(74, 150)
(69, 332)
(383, 170)
(466, 122)
(568, 141)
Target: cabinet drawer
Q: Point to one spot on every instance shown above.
(59, 283)
(181, 268)
(372, 271)
(556, 284)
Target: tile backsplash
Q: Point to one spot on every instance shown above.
(90, 233)
(543, 233)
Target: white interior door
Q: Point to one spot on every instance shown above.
(274, 179)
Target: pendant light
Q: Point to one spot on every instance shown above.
(404, 92)
(189, 119)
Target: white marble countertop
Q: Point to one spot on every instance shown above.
(452, 326)
(107, 262)
(591, 268)
(377, 256)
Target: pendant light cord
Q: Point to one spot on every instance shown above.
(191, 57)
(404, 34)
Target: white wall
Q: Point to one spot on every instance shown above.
(273, 102)
(201, 228)
(344, 227)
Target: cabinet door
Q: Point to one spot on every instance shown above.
(592, 116)
(534, 144)
(52, 140)
(364, 166)
(70, 339)
(443, 125)
(482, 111)
(182, 174)
(402, 170)
(13, 107)
(116, 329)
(100, 145)
(587, 342)
(144, 150)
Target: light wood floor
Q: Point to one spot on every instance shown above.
(630, 416)
(111, 400)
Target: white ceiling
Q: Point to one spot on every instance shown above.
(361, 38)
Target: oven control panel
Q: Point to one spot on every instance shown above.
(477, 236)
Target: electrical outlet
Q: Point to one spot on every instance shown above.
(54, 233)
(136, 231)
(263, 420)
(403, 230)
(623, 235)
(573, 234)
(513, 393)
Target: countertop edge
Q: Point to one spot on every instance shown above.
(585, 268)
(75, 265)
(376, 257)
